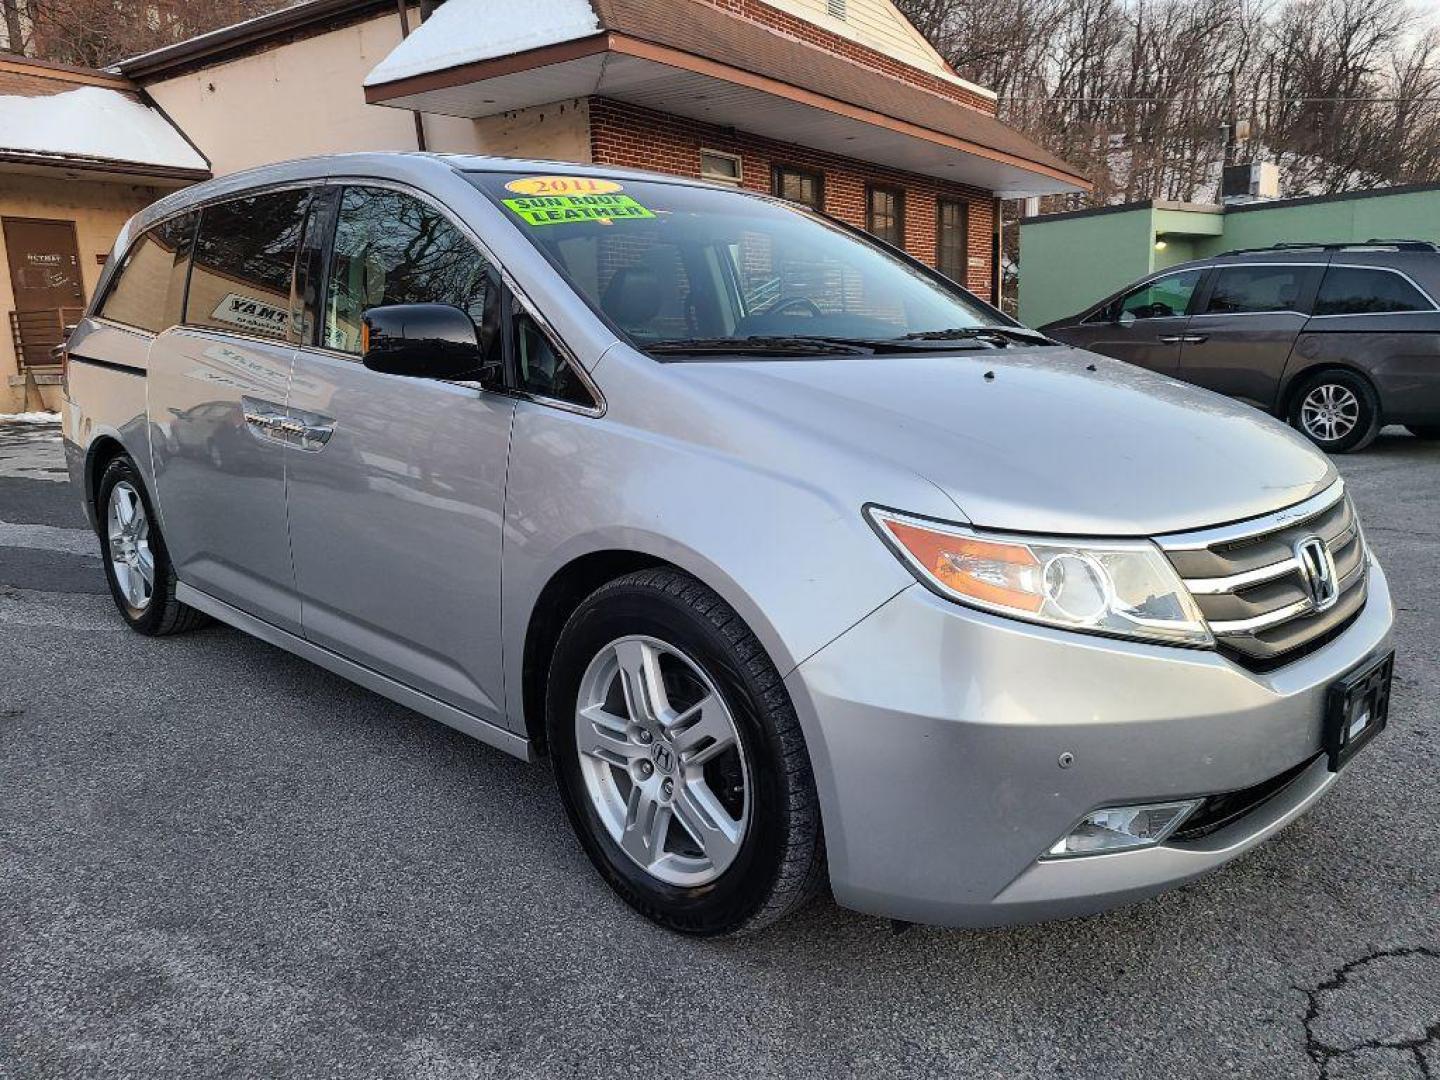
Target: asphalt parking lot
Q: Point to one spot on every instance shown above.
(218, 860)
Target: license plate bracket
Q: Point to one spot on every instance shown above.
(1357, 708)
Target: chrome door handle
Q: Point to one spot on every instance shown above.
(1195, 339)
(306, 436)
(266, 421)
(1171, 339)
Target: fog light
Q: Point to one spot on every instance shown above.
(1122, 828)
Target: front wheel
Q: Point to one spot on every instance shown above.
(680, 760)
(1338, 410)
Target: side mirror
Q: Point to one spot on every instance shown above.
(426, 341)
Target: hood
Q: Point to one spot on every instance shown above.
(1032, 440)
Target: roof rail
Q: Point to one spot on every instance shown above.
(1398, 245)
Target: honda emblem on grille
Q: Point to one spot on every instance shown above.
(1317, 572)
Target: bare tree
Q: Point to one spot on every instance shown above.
(1145, 95)
(94, 33)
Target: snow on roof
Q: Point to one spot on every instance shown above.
(93, 122)
(464, 31)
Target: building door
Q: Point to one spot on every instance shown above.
(45, 278)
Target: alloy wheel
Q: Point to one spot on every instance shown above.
(1330, 412)
(131, 557)
(662, 761)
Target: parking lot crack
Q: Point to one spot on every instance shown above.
(1327, 1016)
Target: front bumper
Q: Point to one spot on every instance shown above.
(936, 733)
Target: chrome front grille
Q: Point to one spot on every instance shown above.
(1253, 587)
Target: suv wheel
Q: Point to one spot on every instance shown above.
(1338, 410)
(1428, 432)
(142, 581)
(680, 760)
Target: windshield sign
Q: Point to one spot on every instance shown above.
(685, 271)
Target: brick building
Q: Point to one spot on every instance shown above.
(840, 104)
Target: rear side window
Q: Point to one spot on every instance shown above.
(244, 264)
(391, 248)
(149, 288)
(1354, 290)
(1244, 289)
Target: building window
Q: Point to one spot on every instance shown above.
(720, 166)
(952, 247)
(885, 215)
(799, 186)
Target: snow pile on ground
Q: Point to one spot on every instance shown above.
(93, 122)
(30, 418)
(464, 31)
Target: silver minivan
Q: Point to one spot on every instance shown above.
(798, 563)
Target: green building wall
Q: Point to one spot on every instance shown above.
(1069, 261)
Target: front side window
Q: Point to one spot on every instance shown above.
(1164, 298)
(245, 262)
(799, 186)
(952, 254)
(1355, 290)
(391, 248)
(675, 266)
(542, 370)
(1250, 289)
(149, 288)
(885, 215)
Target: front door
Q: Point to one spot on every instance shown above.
(45, 278)
(396, 501)
(217, 387)
(1145, 327)
(1239, 343)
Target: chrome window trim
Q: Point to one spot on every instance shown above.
(1199, 539)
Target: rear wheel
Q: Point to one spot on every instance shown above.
(1338, 410)
(1428, 432)
(137, 566)
(680, 760)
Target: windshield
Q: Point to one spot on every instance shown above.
(685, 270)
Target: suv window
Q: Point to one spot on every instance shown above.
(149, 288)
(244, 263)
(542, 370)
(391, 248)
(1163, 298)
(1245, 289)
(1354, 290)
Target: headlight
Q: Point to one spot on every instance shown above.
(1120, 588)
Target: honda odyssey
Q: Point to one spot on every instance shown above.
(799, 563)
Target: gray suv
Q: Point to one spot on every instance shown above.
(1338, 339)
(798, 563)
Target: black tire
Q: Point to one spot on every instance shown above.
(780, 862)
(162, 614)
(1428, 432)
(1367, 423)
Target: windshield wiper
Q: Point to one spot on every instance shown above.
(997, 335)
(773, 345)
